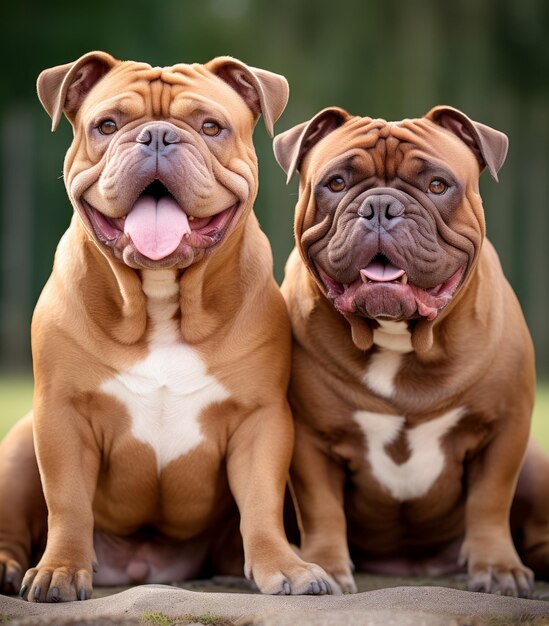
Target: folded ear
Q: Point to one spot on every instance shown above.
(291, 146)
(489, 145)
(264, 92)
(64, 87)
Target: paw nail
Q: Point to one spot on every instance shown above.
(54, 596)
(285, 590)
(315, 588)
(37, 593)
(82, 595)
(23, 591)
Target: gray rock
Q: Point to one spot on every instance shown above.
(410, 605)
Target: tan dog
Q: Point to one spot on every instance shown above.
(161, 344)
(413, 375)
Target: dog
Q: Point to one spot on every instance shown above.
(161, 345)
(413, 373)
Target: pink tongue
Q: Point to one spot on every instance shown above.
(380, 272)
(156, 226)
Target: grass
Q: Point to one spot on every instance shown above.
(209, 620)
(16, 400)
(157, 618)
(540, 424)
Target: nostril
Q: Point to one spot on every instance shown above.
(158, 136)
(366, 212)
(381, 207)
(144, 137)
(170, 136)
(368, 209)
(394, 209)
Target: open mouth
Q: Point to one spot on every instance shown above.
(157, 225)
(384, 290)
(381, 270)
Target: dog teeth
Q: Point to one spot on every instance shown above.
(191, 218)
(404, 279)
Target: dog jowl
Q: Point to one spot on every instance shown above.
(413, 375)
(152, 444)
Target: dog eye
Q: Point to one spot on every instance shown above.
(336, 184)
(107, 127)
(437, 186)
(211, 128)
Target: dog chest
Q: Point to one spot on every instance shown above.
(166, 392)
(426, 461)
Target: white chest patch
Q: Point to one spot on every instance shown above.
(414, 477)
(393, 336)
(381, 373)
(393, 340)
(166, 392)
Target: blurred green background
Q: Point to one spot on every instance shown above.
(384, 58)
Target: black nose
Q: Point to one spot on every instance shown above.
(380, 208)
(158, 136)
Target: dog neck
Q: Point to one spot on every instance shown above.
(161, 288)
(393, 336)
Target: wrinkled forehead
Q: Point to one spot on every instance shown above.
(386, 148)
(138, 90)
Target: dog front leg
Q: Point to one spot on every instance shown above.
(68, 458)
(493, 563)
(258, 462)
(318, 482)
(23, 514)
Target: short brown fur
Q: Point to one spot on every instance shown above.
(475, 354)
(96, 319)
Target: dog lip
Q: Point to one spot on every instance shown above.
(334, 288)
(213, 226)
(428, 302)
(205, 232)
(106, 228)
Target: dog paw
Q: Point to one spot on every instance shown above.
(11, 574)
(508, 580)
(56, 584)
(295, 578)
(345, 579)
(338, 565)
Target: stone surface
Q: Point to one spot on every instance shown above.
(228, 601)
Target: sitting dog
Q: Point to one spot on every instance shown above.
(413, 372)
(161, 345)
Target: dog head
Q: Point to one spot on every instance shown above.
(162, 169)
(389, 219)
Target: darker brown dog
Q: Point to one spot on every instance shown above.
(161, 344)
(413, 375)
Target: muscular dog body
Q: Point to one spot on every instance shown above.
(160, 381)
(413, 376)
